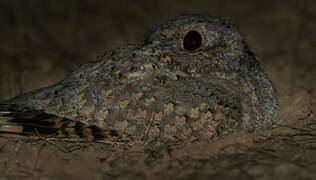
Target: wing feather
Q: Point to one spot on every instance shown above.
(15, 120)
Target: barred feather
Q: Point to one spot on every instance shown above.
(20, 121)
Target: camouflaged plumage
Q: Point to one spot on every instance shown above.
(157, 90)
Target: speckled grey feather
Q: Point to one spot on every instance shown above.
(159, 90)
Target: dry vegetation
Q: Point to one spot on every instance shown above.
(42, 41)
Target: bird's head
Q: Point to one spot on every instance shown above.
(213, 49)
(205, 39)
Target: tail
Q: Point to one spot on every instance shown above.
(17, 121)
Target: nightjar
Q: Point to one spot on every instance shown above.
(193, 78)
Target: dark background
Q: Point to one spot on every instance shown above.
(42, 41)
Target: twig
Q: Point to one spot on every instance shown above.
(36, 164)
(151, 119)
(49, 142)
(83, 140)
(118, 137)
(64, 140)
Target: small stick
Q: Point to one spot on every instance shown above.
(83, 140)
(118, 137)
(151, 120)
(65, 140)
(49, 142)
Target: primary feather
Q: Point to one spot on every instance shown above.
(27, 122)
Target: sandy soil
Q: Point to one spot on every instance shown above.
(41, 42)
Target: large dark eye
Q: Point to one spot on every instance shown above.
(192, 40)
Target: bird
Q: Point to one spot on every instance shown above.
(193, 78)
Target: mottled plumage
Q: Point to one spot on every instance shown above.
(192, 78)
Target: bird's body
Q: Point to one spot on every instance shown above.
(193, 78)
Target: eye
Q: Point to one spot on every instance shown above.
(192, 40)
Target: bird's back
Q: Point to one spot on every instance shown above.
(194, 78)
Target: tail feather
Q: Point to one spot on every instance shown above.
(15, 120)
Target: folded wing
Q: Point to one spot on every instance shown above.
(20, 121)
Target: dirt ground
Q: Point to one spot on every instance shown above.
(42, 41)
